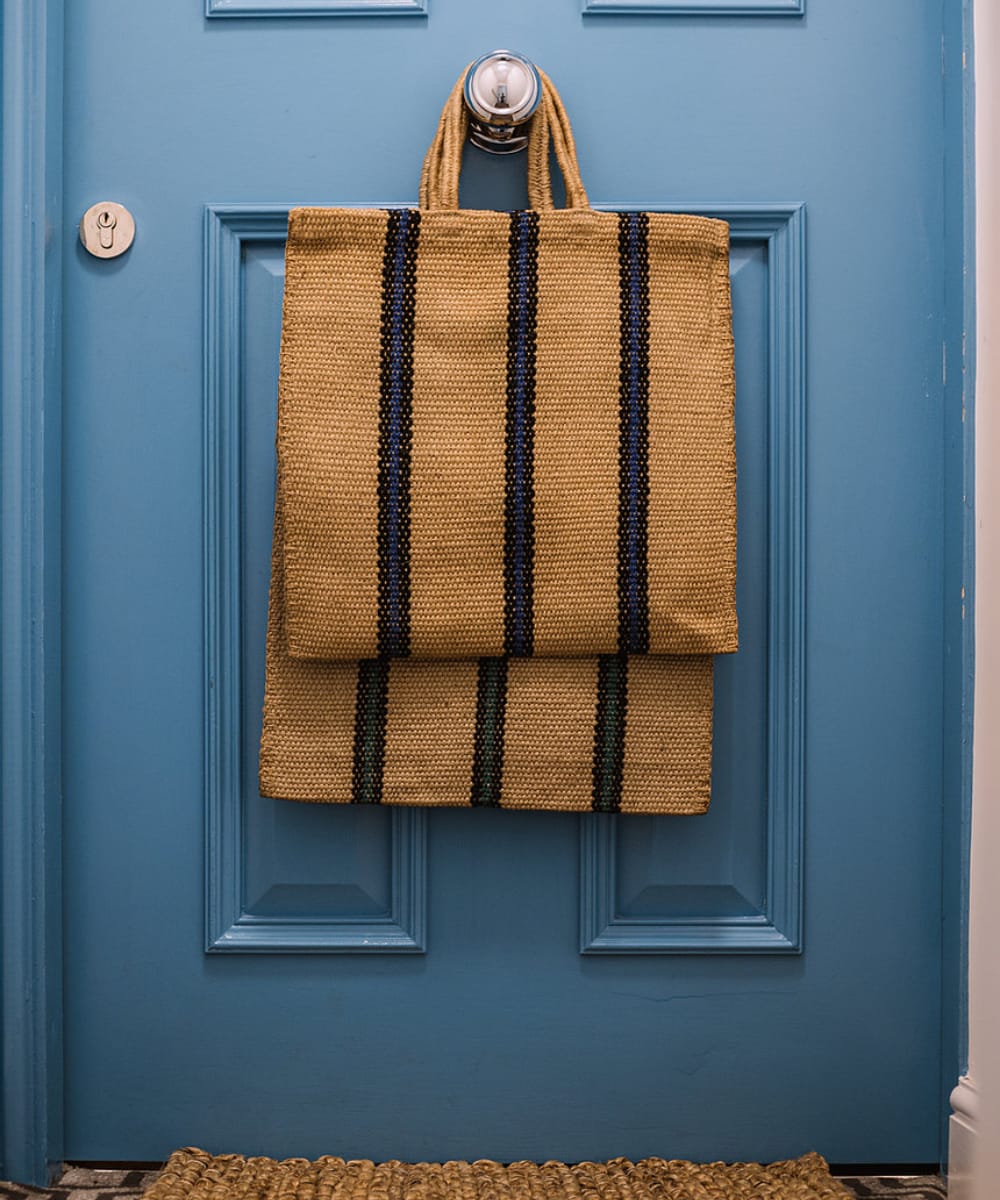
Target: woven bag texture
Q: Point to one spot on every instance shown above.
(192, 1174)
(507, 433)
(612, 734)
(504, 541)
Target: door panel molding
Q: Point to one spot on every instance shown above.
(229, 230)
(31, 816)
(315, 8)
(777, 926)
(698, 8)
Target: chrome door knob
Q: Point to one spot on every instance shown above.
(502, 91)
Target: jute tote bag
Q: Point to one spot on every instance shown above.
(455, 493)
(507, 433)
(629, 734)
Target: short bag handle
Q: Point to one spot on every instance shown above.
(439, 179)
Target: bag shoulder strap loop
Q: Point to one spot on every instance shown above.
(551, 124)
(439, 180)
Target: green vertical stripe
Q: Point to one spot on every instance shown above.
(488, 745)
(370, 717)
(609, 732)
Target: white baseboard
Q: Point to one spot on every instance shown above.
(963, 1130)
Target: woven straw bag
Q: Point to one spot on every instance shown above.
(507, 433)
(491, 447)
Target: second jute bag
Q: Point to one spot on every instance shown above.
(504, 542)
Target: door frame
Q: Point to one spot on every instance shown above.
(30, 410)
(973, 1151)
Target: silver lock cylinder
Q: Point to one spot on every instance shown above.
(107, 229)
(502, 91)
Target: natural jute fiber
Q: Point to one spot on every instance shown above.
(505, 525)
(612, 735)
(507, 433)
(192, 1174)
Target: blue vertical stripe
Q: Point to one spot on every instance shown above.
(633, 496)
(395, 430)
(522, 296)
(395, 426)
(636, 332)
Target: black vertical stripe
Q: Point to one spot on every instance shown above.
(633, 433)
(371, 710)
(399, 272)
(488, 741)
(519, 517)
(610, 720)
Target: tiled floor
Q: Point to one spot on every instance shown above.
(912, 1187)
(85, 1183)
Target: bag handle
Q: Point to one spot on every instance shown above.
(551, 122)
(443, 162)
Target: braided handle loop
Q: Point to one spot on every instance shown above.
(443, 162)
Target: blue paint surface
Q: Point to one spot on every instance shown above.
(501, 1039)
(31, 1050)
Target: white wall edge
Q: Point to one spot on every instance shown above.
(963, 1133)
(976, 1124)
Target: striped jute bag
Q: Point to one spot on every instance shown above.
(504, 544)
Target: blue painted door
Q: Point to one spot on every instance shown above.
(269, 977)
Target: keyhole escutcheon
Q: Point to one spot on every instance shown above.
(107, 229)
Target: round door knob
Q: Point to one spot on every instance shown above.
(502, 91)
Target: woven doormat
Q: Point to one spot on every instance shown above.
(193, 1174)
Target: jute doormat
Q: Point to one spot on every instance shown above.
(193, 1174)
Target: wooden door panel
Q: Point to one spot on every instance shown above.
(269, 977)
